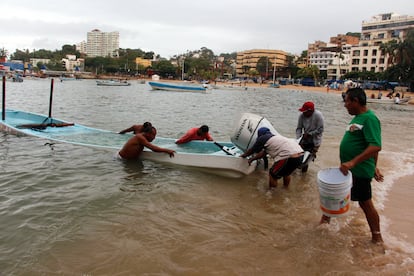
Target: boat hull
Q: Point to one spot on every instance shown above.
(112, 83)
(176, 87)
(388, 101)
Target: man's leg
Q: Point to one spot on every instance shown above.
(272, 182)
(373, 219)
(286, 181)
(325, 219)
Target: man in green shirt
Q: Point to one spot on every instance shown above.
(358, 152)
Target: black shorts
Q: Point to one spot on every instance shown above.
(285, 167)
(361, 189)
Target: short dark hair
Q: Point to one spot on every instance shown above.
(204, 128)
(146, 127)
(357, 93)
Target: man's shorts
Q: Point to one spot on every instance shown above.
(361, 189)
(285, 167)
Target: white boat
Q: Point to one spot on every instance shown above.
(113, 83)
(217, 158)
(179, 86)
(228, 87)
(388, 100)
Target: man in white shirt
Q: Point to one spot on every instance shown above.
(286, 153)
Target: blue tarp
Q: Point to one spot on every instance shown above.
(308, 82)
(15, 66)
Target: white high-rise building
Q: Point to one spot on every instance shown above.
(101, 44)
(385, 27)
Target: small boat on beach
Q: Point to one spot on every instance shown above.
(217, 158)
(388, 100)
(112, 83)
(178, 87)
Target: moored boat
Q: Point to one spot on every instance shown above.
(179, 86)
(389, 101)
(113, 83)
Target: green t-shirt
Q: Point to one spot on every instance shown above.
(362, 131)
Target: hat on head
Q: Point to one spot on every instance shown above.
(307, 106)
(262, 131)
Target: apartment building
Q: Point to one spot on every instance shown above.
(102, 44)
(248, 59)
(385, 27)
(382, 28)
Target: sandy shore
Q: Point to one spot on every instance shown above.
(397, 211)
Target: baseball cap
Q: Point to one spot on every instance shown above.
(262, 131)
(307, 106)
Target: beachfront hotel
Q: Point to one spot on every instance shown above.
(247, 60)
(102, 44)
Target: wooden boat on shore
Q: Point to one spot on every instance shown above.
(112, 83)
(217, 158)
(389, 101)
(178, 87)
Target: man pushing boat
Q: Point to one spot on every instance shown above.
(135, 145)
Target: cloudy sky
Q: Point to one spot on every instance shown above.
(170, 27)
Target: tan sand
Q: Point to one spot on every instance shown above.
(396, 210)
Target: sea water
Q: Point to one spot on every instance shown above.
(73, 210)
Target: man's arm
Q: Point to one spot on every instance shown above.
(127, 130)
(257, 156)
(153, 147)
(186, 137)
(299, 127)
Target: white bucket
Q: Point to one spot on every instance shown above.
(334, 192)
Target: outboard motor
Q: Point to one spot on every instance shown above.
(245, 132)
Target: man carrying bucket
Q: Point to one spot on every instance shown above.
(359, 150)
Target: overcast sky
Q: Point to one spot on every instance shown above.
(170, 27)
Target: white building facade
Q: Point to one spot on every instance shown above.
(102, 44)
(382, 28)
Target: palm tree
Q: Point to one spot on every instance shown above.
(388, 49)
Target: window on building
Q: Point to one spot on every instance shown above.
(374, 52)
(364, 61)
(365, 53)
(372, 69)
(374, 61)
(356, 53)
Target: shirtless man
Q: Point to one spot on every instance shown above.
(135, 145)
(137, 128)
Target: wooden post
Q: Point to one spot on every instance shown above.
(51, 98)
(3, 114)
